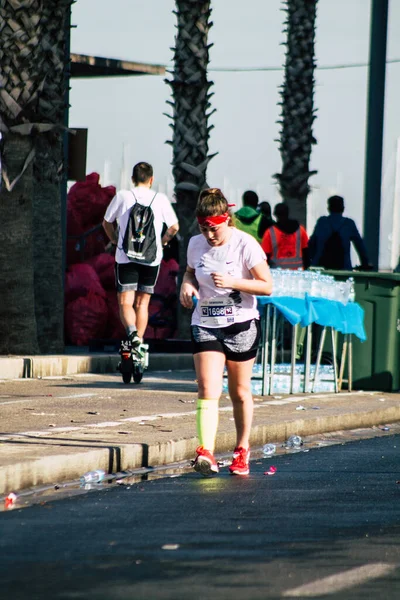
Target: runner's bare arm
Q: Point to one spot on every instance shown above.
(111, 231)
(260, 285)
(189, 288)
(169, 234)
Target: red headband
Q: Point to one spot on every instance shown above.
(212, 221)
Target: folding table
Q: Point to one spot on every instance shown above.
(347, 319)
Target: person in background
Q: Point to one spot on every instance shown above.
(267, 220)
(286, 242)
(330, 242)
(226, 270)
(249, 219)
(135, 282)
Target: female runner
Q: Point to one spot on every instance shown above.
(226, 270)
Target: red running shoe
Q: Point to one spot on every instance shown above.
(240, 462)
(205, 462)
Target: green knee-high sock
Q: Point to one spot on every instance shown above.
(207, 422)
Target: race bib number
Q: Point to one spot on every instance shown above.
(217, 312)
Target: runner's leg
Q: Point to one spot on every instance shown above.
(126, 278)
(126, 310)
(209, 370)
(239, 384)
(147, 279)
(141, 309)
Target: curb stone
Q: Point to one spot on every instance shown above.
(70, 465)
(28, 367)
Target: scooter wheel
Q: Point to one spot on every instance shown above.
(127, 377)
(137, 374)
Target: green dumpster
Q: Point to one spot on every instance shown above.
(376, 362)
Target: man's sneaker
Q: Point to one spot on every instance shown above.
(134, 339)
(205, 462)
(240, 462)
(139, 351)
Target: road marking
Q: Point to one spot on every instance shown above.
(90, 395)
(101, 425)
(341, 581)
(37, 398)
(292, 399)
(16, 401)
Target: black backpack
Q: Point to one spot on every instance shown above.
(333, 254)
(140, 244)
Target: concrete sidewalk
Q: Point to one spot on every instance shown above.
(64, 420)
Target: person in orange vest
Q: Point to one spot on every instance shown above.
(286, 242)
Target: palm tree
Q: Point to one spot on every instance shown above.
(298, 113)
(34, 50)
(17, 307)
(190, 115)
(50, 177)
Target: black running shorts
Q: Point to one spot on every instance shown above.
(239, 342)
(133, 276)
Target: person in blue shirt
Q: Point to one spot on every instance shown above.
(338, 233)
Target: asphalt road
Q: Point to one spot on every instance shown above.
(325, 525)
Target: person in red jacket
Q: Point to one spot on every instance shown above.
(286, 242)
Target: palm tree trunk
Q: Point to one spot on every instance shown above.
(191, 102)
(298, 114)
(17, 306)
(34, 55)
(49, 177)
(47, 244)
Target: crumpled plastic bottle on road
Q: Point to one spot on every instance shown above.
(93, 477)
(294, 441)
(269, 449)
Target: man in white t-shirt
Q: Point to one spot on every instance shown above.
(135, 281)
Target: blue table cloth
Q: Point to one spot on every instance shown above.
(345, 318)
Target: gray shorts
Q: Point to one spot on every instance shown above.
(135, 277)
(239, 342)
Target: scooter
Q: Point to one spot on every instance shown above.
(133, 362)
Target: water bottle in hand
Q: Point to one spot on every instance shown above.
(93, 476)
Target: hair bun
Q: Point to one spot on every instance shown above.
(214, 192)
